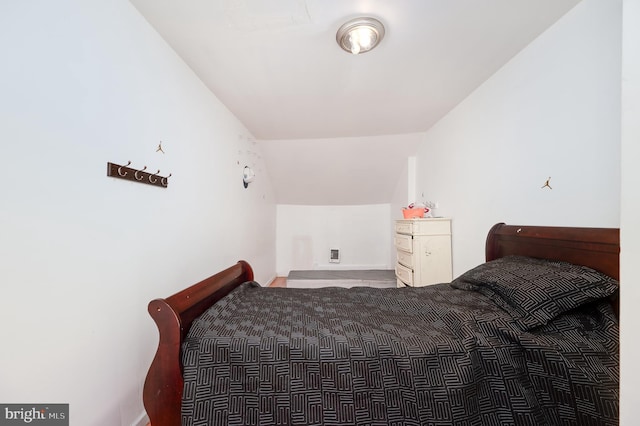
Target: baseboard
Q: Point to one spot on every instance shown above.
(142, 420)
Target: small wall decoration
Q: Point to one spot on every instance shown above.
(547, 184)
(248, 175)
(135, 175)
(249, 158)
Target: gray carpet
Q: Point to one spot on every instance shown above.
(381, 278)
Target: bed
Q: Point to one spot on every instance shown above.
(352, 357)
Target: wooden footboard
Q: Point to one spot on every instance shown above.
(174, 315)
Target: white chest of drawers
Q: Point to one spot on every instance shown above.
(423, 251)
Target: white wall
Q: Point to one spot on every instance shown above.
(305, 235)
(630, 212)
(403, 195)
(552, 111)
(337, 171)
(81, 254)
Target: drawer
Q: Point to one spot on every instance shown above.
(404, 258)
(404, 274)
(405, 227)
(400, 284)
(403, 242)
(432, 227)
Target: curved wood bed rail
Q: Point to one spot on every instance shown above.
(597, 248)
(162, 395)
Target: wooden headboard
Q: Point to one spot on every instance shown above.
(597, 248)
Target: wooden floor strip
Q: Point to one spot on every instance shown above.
(279, 282)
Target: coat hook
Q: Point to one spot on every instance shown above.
(154, 181)
(138, 171)
(120, 169)
(131, 173)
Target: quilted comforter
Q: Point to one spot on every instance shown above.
(438, 355)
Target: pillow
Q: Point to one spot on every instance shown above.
(534, 291)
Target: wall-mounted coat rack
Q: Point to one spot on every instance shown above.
(128, 173)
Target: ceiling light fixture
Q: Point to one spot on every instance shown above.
(360, 35)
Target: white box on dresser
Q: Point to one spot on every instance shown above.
(423, 251)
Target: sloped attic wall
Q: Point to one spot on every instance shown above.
(552, 111)
(82, 254)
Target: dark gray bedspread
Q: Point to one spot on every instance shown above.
(434, 355)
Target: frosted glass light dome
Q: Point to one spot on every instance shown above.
(360, 35)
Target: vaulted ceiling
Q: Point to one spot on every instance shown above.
(276, 65)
